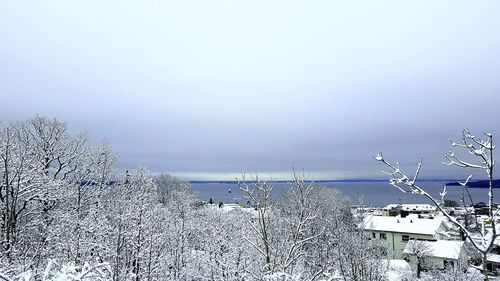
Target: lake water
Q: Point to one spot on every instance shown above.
(370, 193)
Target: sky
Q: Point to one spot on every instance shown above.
(208, 90)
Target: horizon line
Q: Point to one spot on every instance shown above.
(331, 180)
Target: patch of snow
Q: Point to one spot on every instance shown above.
(397, 270)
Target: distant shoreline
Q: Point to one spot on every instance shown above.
(316, 181)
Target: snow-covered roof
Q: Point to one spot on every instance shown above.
(234, 207)
(493, 258)
(402, 225)
(441, 249)
(411, 207)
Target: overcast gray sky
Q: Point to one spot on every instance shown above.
(210, 89)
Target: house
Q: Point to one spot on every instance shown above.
(438, 254)
(227, 208)
(493, 258)
(405, 209)
(397, 231)
(493, 263)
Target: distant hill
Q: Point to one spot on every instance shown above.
(478, 184)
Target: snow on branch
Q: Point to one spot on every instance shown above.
(476, 147)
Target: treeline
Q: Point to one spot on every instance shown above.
(67, 215)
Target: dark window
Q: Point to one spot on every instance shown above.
(447, 263)
(405, 237)
(383, 251)
(374, 235)
(383, 236)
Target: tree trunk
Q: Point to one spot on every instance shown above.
(485, 271)
(419, 268)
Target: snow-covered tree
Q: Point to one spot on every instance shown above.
(50, 184)
(309, 233)
(301, 224)
(38, 157)
(417, 251)
(258, 193)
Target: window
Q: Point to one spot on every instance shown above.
(448, 264)
(383, 236)
(383, 251)
(374, 235)
(405, 238)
